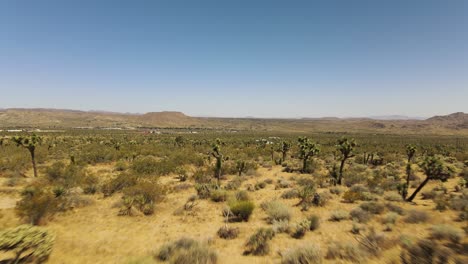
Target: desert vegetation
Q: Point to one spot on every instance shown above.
(96, 196)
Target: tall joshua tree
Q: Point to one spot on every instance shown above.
(345, 148)
(284, 148)
(30, 144)
(410, 152)
(435, 169)
(216, 153)
(307, 149)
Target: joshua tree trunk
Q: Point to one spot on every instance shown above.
(304, 164)
(33, 159)
(284, 156)
(340, 176)
(410, 199)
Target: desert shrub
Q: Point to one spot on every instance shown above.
(321, 199)
(281, 226)
(204, 190)
(260, 185)
(282, 184)
(268, 181)
(309, 254)
(393, 197)
(373, 207)
(306, 195)
(360, 215)
(276, 210)
(336, 190)
(345, 251)
(259, 243)
(390, 218)
(356, 174)
(28, 243)
(241, 210)
(142, 197)
(37, 203)
(357, 228)
(202, 176)
(428, 195)
(66, 175)
(290, 194)
(300, 229)
(305, 181)
(186, 250)
(358, 193)
(374, 242)
(415, 217)
(314, 221)
(123, 180)
(120, 166)
(218, 195)
(234, 184)
(459, 203)
(395, 208)
(425, 251)
(339, 215)
(447, 232)
(242, 196)
(226, 232)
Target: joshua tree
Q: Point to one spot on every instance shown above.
(30, 144)
(284, 148)
(241, 166)
(345, 147)
(435, 169)
(216, 153)
(410, 152)
(307, 149)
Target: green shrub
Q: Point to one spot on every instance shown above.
(336, 190)
(447, 232)
(142, 197)
(309, 254)
(29, 242)
(277, 211)
(314, 222)
(281, 226)
(258, 244)
(186, 250)
(301, 229)
(242, 196)
(241, 210)
(219, 195)
(290, 194)
(204, 190)
(123, 180)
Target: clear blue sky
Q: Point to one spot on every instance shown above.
(236, 58)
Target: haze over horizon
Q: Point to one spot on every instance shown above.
(237, 58)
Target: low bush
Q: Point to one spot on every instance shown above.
(426, 251)
(290, 194)
(186, 250)
(393, 197)
(336, 190)
(389, 218)
(277, 211)
(346, 251)
(416, 217)
(447, 232)
(204, 190)
(360, 215)
(242, 196)
(218, 195)
(28, 243)
(321, 199)
(395, 208)
(309, 254)
(301, 229)
(241, 210)
(259, 243)
(37, 204)
(142, 197)
(339, 215)
(373, 207)
(123, 180)
(281, 226)
(226, 232)
(314, 222)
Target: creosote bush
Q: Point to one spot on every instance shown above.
(416, 217)
(447, 232)
(28, 243)
(241, 210)
(259, 243)
(339, 215)
(314, 221)
(37, 204)
(187, 250)
(360, 215)
(226, 232)
(373, 207)
(346, 251)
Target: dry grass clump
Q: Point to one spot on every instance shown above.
(346, 251)
(447, 232)
(259, 243)
(339, 215)
(277, 211)
(309, 254)
(416, 217)
(290, 194)
(187, 250)
(395, 208)
(393, 197)
(281, 226)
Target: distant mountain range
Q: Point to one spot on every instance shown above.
(456, 123)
